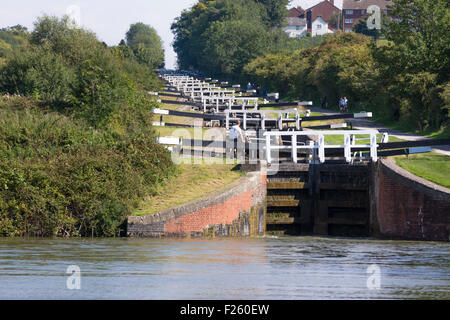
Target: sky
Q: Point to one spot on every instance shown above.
(110, 20)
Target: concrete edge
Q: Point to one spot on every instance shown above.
(243, 184)
(410, 180)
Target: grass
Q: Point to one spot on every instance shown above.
(191, 182)
(443, 133)
(431, 166)
(339, 139)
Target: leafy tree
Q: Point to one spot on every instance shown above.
(336, 21)
(232, 44)
(418, 33)
(77, 152)
(16, 36)
(415, 66)
(361, 26)
(276, 11)
(146, 44)
(18, 29)
(221, 36)
(73, 44)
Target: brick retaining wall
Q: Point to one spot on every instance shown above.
(239, 211)
(409, 207)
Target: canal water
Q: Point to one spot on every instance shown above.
(261, 268)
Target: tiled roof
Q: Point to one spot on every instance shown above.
(294, 22)
(296, 12)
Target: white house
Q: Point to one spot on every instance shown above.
(319, 27)
(296, 27)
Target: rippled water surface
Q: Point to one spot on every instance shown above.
(263, 268)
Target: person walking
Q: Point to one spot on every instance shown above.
(345, 104)
(324, 102)
(235, 137)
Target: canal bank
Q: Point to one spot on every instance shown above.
(237, 212)
(379, 200)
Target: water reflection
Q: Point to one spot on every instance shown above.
(263, 268)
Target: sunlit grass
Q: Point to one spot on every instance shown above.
(190, 182)
(430, 166)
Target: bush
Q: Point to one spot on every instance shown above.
(77, 147)
(59, 177)
(39, 73)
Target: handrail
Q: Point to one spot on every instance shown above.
(320, 145)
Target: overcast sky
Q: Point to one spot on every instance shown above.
(110, 20)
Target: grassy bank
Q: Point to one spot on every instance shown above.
(431, 166)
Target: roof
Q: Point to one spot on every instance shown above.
(296, 12)
(295, 21)
(324, 9)
(364, 4)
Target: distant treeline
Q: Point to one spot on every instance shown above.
(404, 78)
(77, 148)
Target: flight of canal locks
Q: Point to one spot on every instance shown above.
(299, 180)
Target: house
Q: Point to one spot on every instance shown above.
(296, 27)
(319, 27)
(324, 9)
(316, 19)
(353, 10)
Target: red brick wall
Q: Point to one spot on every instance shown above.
(407, 210)
(223, 213)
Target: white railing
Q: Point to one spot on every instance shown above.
(319, 146)
(282, 116)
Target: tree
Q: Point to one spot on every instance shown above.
(336, 21)
(146, 44)
(361, 26)
(276, 11)
(73, 44)
(415, 66)
(233, 44)
(205, 33)
(418, 33)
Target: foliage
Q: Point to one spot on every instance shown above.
(146, 44)
(77, 147)
(60, 177)
(39, 73)
(221, 36)
(361, 26)
(339, 66)
(414, 69)
(404, 81)
(276, 11)
(336, 21)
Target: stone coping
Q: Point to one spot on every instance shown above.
(244, 184)
(408, 179)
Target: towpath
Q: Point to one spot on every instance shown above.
(369, 124)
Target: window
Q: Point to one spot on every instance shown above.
(363, 12)
(348, 11)
(348, 20)
(297, 28)
(319, 26)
